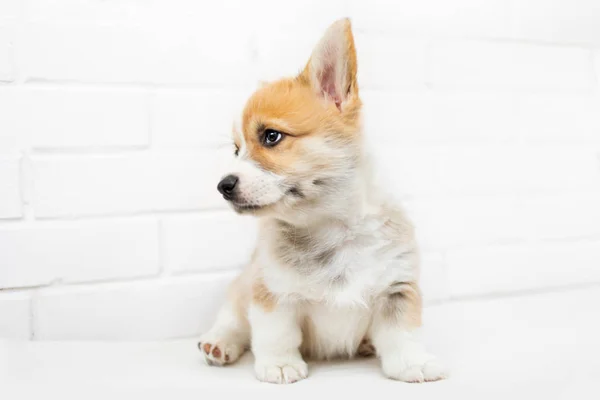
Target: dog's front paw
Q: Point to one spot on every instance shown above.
(287, 371)
(219, 352)
(414, 366)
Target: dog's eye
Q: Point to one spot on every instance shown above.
(237, 151)
(272, 137)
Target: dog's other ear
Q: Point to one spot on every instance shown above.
(331, 70)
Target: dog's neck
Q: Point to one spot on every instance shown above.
(345, 209)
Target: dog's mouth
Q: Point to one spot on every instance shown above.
(240, 207)
(251, 207)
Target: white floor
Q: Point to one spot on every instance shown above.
(543, 346)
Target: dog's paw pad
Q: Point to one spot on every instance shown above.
(219, 353)
(284, 373)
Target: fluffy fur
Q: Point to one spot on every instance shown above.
(335, 270)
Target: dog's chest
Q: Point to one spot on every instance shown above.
(333, 331)
(349, 276)
(334, 276)
(336, 265)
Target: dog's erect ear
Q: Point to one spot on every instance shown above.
(331, 70)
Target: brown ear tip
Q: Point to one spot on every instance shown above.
(341, 24)
(346, 22)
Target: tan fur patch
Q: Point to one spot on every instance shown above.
(404, 305)
(262, 296)
(293, 106)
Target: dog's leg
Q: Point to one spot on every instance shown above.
(395, 322)
(276, 340)
(228, 338)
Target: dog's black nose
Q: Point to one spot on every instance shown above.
(227, 185)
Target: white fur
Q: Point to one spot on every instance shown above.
(327, 64)
(322, 320)
(332, 259)
(229, 333)
(276, 345)
(256, 187)
(403, 356)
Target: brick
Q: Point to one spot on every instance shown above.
(77, 118)
(564, 21)
(127, 11)
(516, 268)
(433, 118)
(9, 8)
(457, 18)
(37, 254)
(196, 119)
(416, 170)
(510, 66)
(309, 15)
(564, 215)
(395, 118)
(180, 54)
(12, 139)
(384, 61)
(126, 53)
(89, 11)
(14, 316)
(211, 241)
(89, 53)
(569, 119)
(284, 54)
(596, 59)
(151, 310)
(299, 28)
(447, 222)
(523, 169)
(289, 15)
(10, 200)
(92, 185)
(388, 62)
(407, 170)
(7, 43)
(69, 118)
(472, 117)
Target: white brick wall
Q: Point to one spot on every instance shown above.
(7, 53)
(186, 253)
(510, 66)
(114, 124)
(194, 119)
(60, 119)
(15, 315)
(37, 254)
(10, 200)
(75, 185)
(503, 268)
(167, 308)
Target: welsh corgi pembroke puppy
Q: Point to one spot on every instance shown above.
(335, 270)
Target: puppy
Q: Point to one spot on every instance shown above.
(335, 269)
